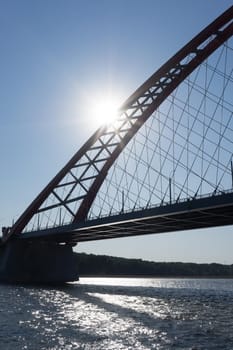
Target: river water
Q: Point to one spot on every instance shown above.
(119, 313)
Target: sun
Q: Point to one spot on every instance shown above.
(104, 110)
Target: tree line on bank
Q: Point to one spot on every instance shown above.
(103, 265)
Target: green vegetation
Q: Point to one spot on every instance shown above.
(102, 265)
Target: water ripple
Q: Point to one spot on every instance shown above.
(119, 314)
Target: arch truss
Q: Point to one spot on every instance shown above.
(171, 142)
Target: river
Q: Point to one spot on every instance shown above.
(119, 313)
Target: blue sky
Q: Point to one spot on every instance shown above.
(56, 57)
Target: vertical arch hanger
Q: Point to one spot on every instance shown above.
(69, 196)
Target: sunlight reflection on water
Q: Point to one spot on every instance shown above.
(118, 313)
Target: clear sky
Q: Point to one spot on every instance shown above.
(59, 56)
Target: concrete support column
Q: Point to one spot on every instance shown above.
(37, 262)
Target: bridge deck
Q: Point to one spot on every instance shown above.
(192, 214)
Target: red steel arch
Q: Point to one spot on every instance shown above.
(108, 141)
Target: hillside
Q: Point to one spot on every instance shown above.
(102, 265)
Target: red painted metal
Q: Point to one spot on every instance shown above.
(133, 114)
(163, 73)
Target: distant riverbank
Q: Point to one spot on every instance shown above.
(102, 266)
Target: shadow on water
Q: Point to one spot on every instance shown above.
(171, 318)
(34, 317)
(84, 315)
(56, 316)
(94, 295)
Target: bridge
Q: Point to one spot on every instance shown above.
(165, 163)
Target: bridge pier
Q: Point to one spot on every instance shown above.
(37, 262)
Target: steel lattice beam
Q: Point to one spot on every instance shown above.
(100, 152)
(193, 214)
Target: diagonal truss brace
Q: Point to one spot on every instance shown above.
(109, 141)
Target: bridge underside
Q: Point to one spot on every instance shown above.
(171, 140)
(192, 214)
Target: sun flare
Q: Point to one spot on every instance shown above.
(105, 110)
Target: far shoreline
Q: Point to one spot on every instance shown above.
(155, 277)
(103, 266)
